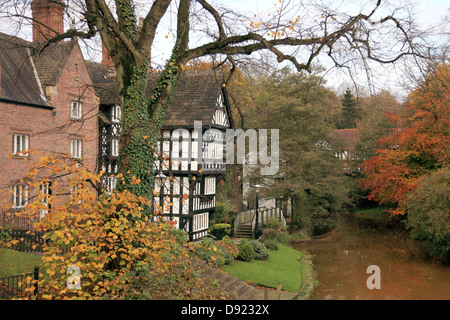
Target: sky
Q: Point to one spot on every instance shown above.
(428, 11)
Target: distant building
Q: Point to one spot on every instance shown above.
(344, 143)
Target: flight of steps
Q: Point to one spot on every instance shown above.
(244, 231)
(236, 288)
(240, 290)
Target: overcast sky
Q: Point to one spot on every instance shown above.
(429, 12)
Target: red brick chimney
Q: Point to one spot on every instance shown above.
(106, 58)
(48, 19)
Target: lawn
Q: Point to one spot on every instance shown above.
(15, 262)
(282, 266)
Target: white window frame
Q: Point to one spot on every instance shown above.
(116, 114)
(45, 191)
(76, 148)
(20, 144)
(115, 147)
(20, 196)
(76, 109)
(111, 183)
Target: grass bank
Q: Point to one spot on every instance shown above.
(282, 266)
(14, 262)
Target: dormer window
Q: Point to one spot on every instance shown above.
(75, 109)
(116, 114)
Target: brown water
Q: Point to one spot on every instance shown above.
(341, 261)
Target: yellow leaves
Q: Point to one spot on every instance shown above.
(107, 236)
(135, 180)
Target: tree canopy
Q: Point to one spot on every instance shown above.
(417, 146)
(296, 32)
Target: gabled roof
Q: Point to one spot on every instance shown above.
(25, 74)
(19, 80)
(51, 62)
(194, 99)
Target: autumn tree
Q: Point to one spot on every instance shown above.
(103, 247)
(301, 107)
(416, 147)
(298, 33)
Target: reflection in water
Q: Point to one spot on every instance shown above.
(341, 261)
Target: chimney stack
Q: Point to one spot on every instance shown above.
(48, 19)
(106, 58)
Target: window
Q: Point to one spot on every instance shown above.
(210, 185)
(116, 114)
(20, 196)
(20, 144)
(76, 194)
(75, 148)
(115, 147)
(75, 109)
(111, 183)
(45, 192)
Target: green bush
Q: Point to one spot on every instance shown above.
(270, 233)
(429, 214)
(220, 230)
(271, 244)
(275, 223)
(208, 251)
(259, 249)
(246, 251)
(283, 237)
(229, 248)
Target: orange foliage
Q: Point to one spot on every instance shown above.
(116, 251)
(418, 146)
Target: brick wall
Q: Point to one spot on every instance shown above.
(50, 131)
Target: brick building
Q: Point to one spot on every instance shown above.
(47, 103)
(57, 102)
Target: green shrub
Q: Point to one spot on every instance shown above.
(220, 230)
(227, 256)
(270, 233)
(208, 251)
(271, 244)
(428, 213)
(259, 249)
(229, 248)
(283, 237)
(246, 251)
(274, 223)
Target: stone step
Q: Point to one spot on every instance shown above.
(244, 231)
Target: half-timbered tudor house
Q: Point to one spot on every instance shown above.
(190, 150)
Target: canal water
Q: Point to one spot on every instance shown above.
(341, 261)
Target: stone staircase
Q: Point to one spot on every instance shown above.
(240, 290)
(244, 230)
